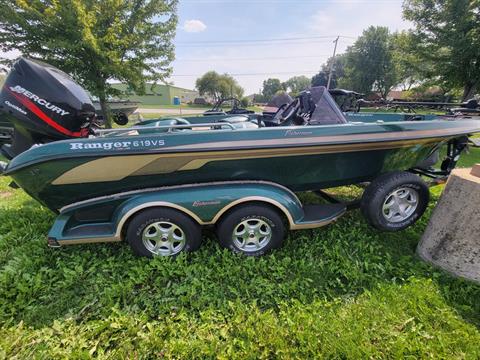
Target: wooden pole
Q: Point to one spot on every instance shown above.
(332, 63)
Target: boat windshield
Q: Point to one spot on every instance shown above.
(326, 109)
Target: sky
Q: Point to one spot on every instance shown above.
(234, 36)
(228, 36)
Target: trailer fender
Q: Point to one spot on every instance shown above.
(207, 203)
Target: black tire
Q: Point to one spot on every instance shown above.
(184, 233)
(270, 235)
(384, 190)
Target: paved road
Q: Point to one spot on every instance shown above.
(171, 111)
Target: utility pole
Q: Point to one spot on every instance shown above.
(331, 64)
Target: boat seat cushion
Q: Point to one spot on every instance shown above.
(170, 122)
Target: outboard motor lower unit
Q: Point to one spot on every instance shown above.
(43, 104)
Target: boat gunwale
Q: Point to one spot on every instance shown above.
(176, 149)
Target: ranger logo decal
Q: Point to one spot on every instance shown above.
(120, 145)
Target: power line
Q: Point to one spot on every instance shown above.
(251, 44)
(253, 58)
(255, 74)
(263, 40)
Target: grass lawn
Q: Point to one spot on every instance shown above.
(343, 291)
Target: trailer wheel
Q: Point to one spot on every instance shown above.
(252, 230)
(163, 232)
(394, 201)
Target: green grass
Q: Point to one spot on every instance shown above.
(343, 291)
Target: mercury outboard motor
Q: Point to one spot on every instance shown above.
(43, 104)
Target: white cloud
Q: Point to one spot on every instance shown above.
(194, 26)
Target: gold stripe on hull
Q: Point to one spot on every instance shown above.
(92, 240)
(367, 138)
(114, 168)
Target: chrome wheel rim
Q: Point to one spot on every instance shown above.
(252, 235)
(400, 204)
(163, 238)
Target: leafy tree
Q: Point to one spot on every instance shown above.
(296, 84)
(321, 79)
(259, 98)
(96, 41)
(218, 86)
(411, 70)
(369, 63)
(271, 87)
(447, 35)
(245, 102)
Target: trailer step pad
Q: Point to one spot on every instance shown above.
(322, 214)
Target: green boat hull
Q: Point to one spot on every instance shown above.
(300, 158)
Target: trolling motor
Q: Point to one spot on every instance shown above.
(455, 148)
(43, 104)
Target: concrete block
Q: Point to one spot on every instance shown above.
(452, 238)
(475, 170)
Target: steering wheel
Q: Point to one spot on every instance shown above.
(286, 114)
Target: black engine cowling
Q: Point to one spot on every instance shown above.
(43, 104)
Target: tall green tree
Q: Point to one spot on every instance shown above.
(338, 72)
(447, 34)
(411, 69)
(296, 84)
(321, 79)
(96, 41)
(369, 63)
(218, 86)
(271, 87)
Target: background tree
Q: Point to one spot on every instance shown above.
(410, 69)
(321, 79)
(95, 40)
(271, 87)
(218, 86)
(258, 98)
(369, 63)
(447, 35)
(296, 84)
(245, 102)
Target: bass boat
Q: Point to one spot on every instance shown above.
(157, 183)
